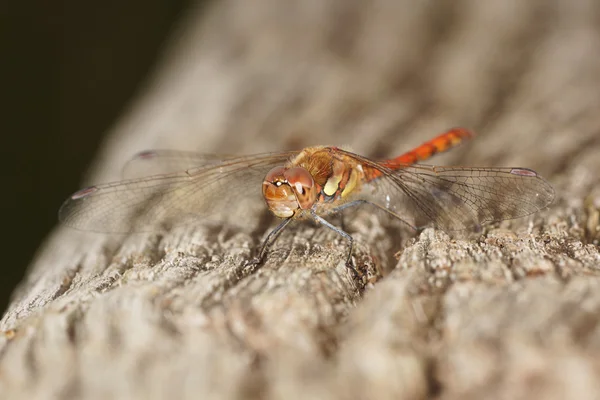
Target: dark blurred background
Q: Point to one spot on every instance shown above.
(68, 70)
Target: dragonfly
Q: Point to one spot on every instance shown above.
(312, 183)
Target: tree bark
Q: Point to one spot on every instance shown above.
(511, 311)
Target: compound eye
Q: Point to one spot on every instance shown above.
(299, 178)
(275, 175)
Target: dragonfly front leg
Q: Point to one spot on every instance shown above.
(345, 235)
(269, 240)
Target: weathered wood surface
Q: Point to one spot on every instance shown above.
(510, 312)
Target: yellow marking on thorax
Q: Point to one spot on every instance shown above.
(351, 184)
(337, 174)
(332, 185)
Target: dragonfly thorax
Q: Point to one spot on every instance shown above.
(288, 190)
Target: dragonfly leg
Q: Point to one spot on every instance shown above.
(344, 206)
(348, 205)
(360, 202)
(345, 235)
(269, 240)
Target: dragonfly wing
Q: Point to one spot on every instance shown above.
(456, 198)
(226, 191)
(157, 162)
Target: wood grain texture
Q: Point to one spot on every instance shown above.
(509, 312)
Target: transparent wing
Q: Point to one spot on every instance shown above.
(158, 162)
(455, 198)
(226, 191)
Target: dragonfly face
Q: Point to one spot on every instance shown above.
(288, 190)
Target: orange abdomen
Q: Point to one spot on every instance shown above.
(439, 144)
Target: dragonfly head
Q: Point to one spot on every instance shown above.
(288, 190)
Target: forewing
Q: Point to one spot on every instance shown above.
(159, 162)
(228, 191)
(456, 198)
